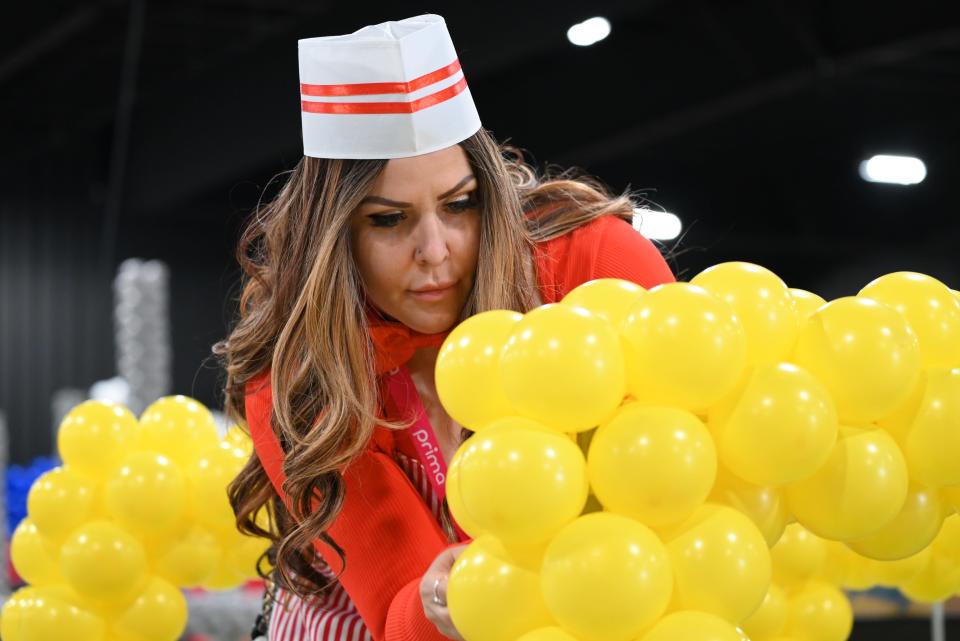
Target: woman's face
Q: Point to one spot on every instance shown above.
(415, 239)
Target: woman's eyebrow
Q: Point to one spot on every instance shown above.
(380, 200)
(459, 185)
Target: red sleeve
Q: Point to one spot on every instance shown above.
(390, 538)
(608, 247)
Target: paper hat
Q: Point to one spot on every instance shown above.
(389, 90)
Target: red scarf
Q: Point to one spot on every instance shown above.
(394, 343)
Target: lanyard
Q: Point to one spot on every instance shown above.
(405, 398)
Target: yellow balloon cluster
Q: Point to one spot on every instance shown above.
(638, 456)
(137, 511)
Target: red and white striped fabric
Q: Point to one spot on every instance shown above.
(331, 618)
(334, 617)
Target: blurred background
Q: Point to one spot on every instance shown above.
(136, 130)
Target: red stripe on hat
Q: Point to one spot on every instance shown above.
(370, 88)
(443, 95)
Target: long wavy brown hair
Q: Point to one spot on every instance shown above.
(301, 316)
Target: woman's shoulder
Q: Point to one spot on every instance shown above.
(609, 232)
(605, 247)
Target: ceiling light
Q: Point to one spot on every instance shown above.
(897, 170)
(656, 225)
(588, 32)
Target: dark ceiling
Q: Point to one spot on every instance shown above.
(747, 119)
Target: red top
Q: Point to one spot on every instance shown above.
(389, 535)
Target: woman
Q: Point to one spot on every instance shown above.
(374, 249)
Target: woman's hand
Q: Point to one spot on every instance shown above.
(433, 592)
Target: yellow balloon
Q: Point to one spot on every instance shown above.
(159, 613)
(911, 530)
(244, 552)
(94, 436)
(265, 519)
(714, 549)
(224, 576)
(147, 493)
(520, 481)
(819, 612)
(60, 501)
(238, 438)
(177, 427)
(765, 506)
(457, 510)
(940, 576)
(798, 556)
(608, 298)
(65, 592)
(847, 569)
(550, 633)
(485, 579)
(806, 303)
(528, 555)
(44, 614)
(467, 371)
(833, 570)
(686, 346)
(861, 487)
(692, 625)
(950, 498)
(936, 581)
(894, 574)
(208, 476)
(189, 560)
(606, 577)
(563, 366)
(930, 308)
(35, 557)
(781, 428)
(155, 544)
(102, 561)
(654, 464)
(864, 353)
(762, 304)
(899, 421)
(11, 616)
(769, 619)
(932, 443)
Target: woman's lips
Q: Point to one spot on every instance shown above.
(433, 294)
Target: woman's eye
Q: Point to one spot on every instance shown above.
(463, 204)
(386, 220)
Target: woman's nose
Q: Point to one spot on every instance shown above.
(431, 242)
